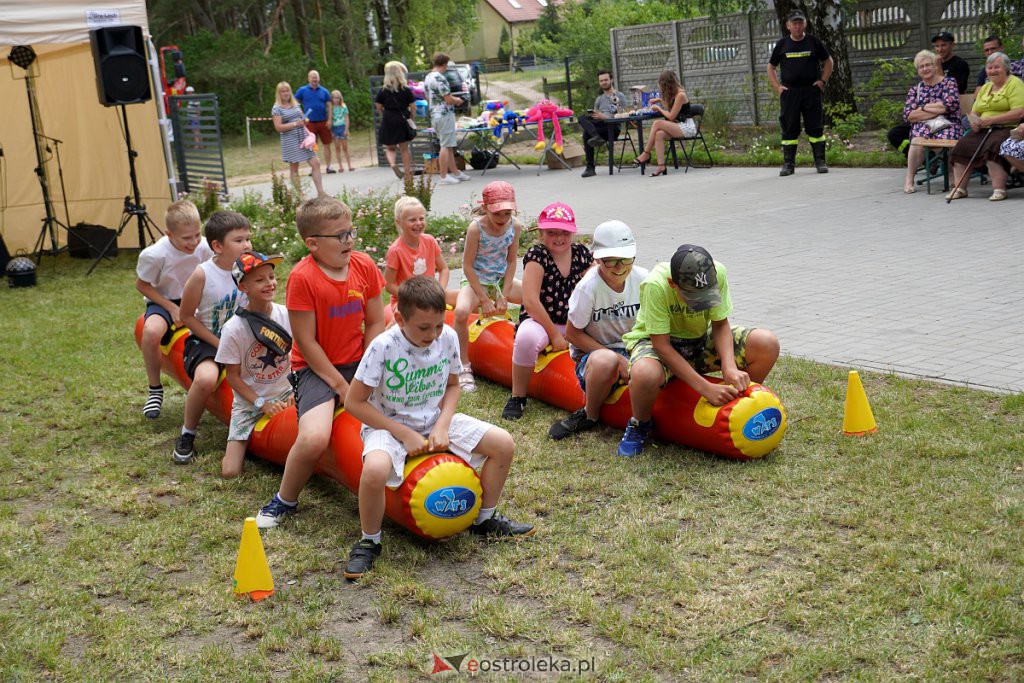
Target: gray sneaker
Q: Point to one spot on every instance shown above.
(184, 449)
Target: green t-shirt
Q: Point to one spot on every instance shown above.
(663, 312)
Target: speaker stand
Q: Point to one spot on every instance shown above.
(131, 209)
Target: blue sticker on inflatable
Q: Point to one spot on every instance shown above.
(763, 424)
(450, 502)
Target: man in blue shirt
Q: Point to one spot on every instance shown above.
(316, 105)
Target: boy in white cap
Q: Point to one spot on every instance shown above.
(602, 308)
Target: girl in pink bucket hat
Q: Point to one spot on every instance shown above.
(488, 266)
(551, 270)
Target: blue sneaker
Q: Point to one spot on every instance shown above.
(273, 513)
(633, 440)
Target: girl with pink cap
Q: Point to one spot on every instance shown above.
(488, 266)
(551, 270)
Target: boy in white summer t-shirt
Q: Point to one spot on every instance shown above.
(405, 393)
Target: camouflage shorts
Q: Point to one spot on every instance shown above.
(700, 353)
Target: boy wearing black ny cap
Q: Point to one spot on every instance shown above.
(683, 330)
(254, 350)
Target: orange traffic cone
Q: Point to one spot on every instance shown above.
(252, 573)
(857, 417)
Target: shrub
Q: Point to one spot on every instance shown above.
(846, 123)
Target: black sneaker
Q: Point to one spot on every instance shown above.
(588, 172)
(184, 449)
(500, 526)
(361, 558)
(514, 408)
(574, 424)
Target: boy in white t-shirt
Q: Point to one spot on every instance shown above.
(255, 348)
(405, 393)
(209, 300)
(162, 270)
(602, 308)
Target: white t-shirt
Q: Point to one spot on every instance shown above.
(220, 298)
(603, 313)
(162, 265)
(264, 374)
(408, 381)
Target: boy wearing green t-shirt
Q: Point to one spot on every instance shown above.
(683, 330)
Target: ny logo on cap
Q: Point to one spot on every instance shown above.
(700, 280)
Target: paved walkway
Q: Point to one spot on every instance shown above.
(844, 267)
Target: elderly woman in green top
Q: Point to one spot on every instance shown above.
(998, 107)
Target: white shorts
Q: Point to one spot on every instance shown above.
(464, 435)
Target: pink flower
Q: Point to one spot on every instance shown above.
(452, 250)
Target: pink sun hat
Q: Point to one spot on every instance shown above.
(557, 216)
(499, 196)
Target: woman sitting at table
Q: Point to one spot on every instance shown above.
(675, 123)
(998, 107)
(935, 96)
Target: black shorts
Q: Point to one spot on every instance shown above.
(196, 351)
(311, 390)
(157, 309)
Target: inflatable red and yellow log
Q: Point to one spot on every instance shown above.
(439, 497)
(748, 427)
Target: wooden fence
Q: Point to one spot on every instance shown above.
(723, 62)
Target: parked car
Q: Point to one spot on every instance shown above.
(466, 72)
(460, 86)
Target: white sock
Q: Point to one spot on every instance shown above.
(289, 503)
(186, 430)
(372, 537)
(485, 514)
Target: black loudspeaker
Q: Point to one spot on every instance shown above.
(122, 74)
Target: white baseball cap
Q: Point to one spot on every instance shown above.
(614, 239)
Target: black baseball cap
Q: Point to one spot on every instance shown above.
(796, 15)
(944, 36)
(693, 272)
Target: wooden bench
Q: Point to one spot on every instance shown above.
(935, 149)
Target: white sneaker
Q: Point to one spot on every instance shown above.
(466, 381)
(448, 180)
(462, 176)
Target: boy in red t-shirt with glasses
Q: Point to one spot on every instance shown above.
(335, 310)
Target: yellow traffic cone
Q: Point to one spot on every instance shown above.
(252, 573)
(857, 417)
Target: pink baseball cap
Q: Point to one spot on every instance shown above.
(499, 196)
(557, 216)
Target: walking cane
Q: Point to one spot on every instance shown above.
(970, 164)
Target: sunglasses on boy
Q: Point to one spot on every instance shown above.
(616, 262)
(344, 236)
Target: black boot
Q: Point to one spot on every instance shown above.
(788, 160)
(818, 148)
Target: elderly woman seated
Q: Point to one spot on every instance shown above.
(998, 107)
(932, 109)
(676, 122)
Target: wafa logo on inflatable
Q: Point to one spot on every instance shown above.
(450, 502)
(762, 424)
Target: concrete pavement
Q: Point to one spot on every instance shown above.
(844, 267)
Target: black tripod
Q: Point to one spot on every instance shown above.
(132, 209)
(51, 222)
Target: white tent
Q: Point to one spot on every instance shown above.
(93, 153)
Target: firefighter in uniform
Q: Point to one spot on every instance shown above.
(806, 66)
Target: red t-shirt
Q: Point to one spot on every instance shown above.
(409, 262)
(340, 306)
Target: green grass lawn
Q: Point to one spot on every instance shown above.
(895, 556)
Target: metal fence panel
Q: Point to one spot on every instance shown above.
(198, 153)
(723, 62)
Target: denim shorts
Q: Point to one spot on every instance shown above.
(581, 366)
